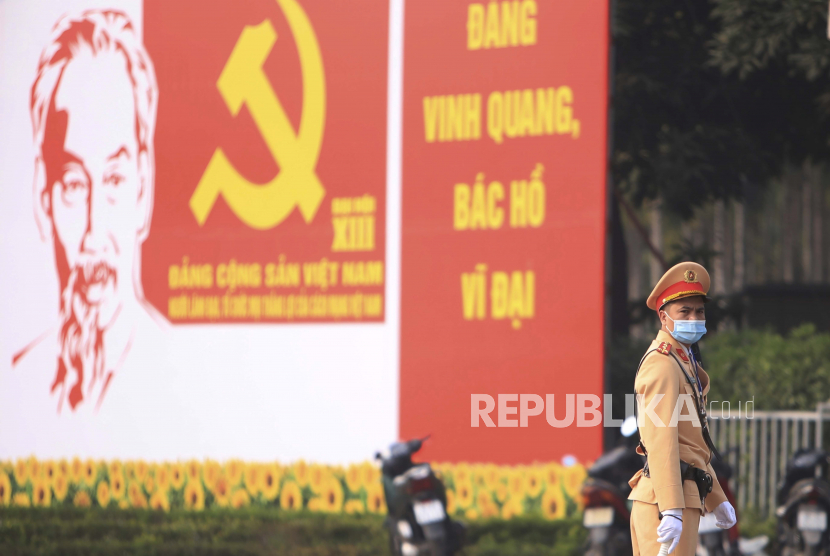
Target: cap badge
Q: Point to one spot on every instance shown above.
(690, 276)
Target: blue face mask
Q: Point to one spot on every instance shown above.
(687, 331)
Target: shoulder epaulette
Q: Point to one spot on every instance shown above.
(664, 348)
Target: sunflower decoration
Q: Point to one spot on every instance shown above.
(159, 501)
(60, 487)
(222, 491)
(5, 489)
(150, 480)
(177, 476)
(463, 493)
(62, 467)
(462, 472)
(270, 478)
(103, 494)
(484, 500)
(572, 479)
(516, 483)
(451, 505)
(300, 472)
(76, 470)
(234, 470)
(315, 504)
(371, 474)
(375, 501)
(253, 483)
(471, 514)
(34, 468)
(553, 504)
(194, 496)
(332, 495)
(533, 477)
(118, 486)
(82, 499)
(491, 476)
(501, 492)
(124, 504)
(194, 470)
(90, 472)
(21, 499)
(479, 479)
(291, 498)
(162, 477)
(355, 506)
(136, 497)
(240, 499)
(129, 471)
(353, 479)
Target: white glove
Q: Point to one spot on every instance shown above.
(725, 516)
(670, 528)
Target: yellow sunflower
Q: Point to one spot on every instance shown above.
(315, 504)
(137, 498)
(162, 476)
(253, 483)
(491, 476)
(240, 498)
(41, 493)
(76, 470)
(5, 489)
(478, 472)
(117, 486)
(375, 501)
(462, 472)
(21, 472)
(355, 507)
(177, 475)
(150, 483)
(234, 470)
(159, 501)
(572, 479)
(194, 496)
(124, 504)
(115, 467)
(488, 508)
(34, 468)
(353, 476)
(82, 499)
(291, 497)
(516, 484)
(483, 498)
(300, 471)
(22, 499)
(103, 494)
(318, 476)
(553, 474)
(221, 491)
(194, 470)
(371, 474)
(270, 478)
(141, 470)
(60, 487)
(62, 467)
(90, 472)
(332, 495)
(501, 491)
(471, 514)
(463, 493)
(451, 506)
(512, 508)
(553, 504)
(129, 471)
(211, 471)
(49, 469)
(533, 482)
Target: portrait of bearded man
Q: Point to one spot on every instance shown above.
(93, 108)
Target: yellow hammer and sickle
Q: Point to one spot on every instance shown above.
(242, 81)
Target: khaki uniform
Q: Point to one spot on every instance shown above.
(666, 446)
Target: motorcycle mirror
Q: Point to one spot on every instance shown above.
(378, 455)
(629, 426)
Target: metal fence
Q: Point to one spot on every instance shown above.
(758, 445)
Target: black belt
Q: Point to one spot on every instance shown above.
(688, 472)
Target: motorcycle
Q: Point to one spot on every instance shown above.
(416, 499)
(803, 504)
(607, 512)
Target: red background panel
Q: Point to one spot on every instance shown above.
(445, 358)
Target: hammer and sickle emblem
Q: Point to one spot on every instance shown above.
(242, 81)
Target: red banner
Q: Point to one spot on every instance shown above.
(270, 160)
(503, 247)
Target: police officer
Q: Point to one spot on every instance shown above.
(677, 485)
